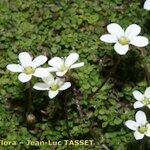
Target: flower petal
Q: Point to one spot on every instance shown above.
(138, 95)
(131, 125)
(15, 68)
(65, 86)
(121, 49)
(41, 86)
(56, 62)
(139, 41)
(49, 79)
(52, 69)
(148, 132)
(132, 31)
(24, 77)
(148, 106)
(59, 81)
(138, 135)
(41, 72)
(60, 74)
(147, 92)
(115, 29)
(71, 59)
(38, 61)
(147, 5)
(77, 65)
(52, 94)
(140, 117)
(108, 38)
(25, 59)
(138, 104)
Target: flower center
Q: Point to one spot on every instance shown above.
(123, 40)
(28, 70)
(63, 68)
(54, 87)
(142, 129)
(146, 101)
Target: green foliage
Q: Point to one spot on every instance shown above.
(56, 28)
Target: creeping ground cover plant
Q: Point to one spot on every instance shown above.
(74, 75)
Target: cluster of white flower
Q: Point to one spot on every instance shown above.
(141, 126)
(122, 39)
(29, 67)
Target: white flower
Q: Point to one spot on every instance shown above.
(52, 85)
(140, 127)
(142, 99)
(62, 65)
(124, 38)
(29, 67)
(147, 5)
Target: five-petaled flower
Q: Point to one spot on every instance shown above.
(147, 5)
(28, 67)
(124, 38)
(140, 127)
(142, 99)
(62, 65)
(52, 85)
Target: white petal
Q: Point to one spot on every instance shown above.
(108, 38)
(131, 125)
(147, 92)
(65, 86)
(148, 106)
(41, 72)
(121, 49)
(148, 133)
(52, 69)
(60, 74)
(115, 29)
(24, 77)
(56, 62)
(138, 135)
(25, 59)
(15, 68)
(38, 61)
(71, 59)
(139, 41)
(138, 104)
(132, 31)
(59, 81)
(140, 117)
(77, 65)
(49, 79)
(147, 5)
(41, 86)
(52, 94)
(138, 95)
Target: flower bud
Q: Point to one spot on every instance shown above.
(30, 118)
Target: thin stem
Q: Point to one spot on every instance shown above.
(77, 95)
(79, 107)
(63, 98)
(30, 118)
(29, 106)
(66, 118)
(107, 78)
(143, 144)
